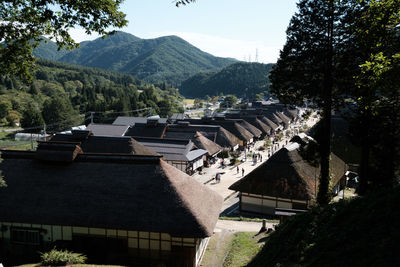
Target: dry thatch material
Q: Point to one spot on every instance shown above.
(107, 191)
(204, 143)
(251, 128)
(287, 175)
(265, 129)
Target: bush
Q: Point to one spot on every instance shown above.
(61, 258)
(223, 154)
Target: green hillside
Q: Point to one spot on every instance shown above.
(61, 94)
(170, 58)
(49, 50)
(241, 79)
(360, 232)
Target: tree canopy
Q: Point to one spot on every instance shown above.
(24, 22)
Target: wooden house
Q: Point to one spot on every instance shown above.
(182, 154)
(287, 180)
(119, 208)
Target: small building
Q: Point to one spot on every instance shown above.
(287, 180)
(120, 208)
(182, 154)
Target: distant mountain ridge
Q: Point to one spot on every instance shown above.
(167, 58)
(242, 79)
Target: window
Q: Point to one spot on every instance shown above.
(25, 236)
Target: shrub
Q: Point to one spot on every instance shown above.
(223, 154)
(61, 258)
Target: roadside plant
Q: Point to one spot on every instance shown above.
(61, 258)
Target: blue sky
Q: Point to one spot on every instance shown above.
(226, 28)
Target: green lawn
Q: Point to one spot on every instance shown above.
(244, 247)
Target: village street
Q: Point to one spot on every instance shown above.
(230, 175)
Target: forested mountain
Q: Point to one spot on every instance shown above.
(60, 94)
(241, 79)
(170, 58)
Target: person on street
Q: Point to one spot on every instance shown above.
(242, 172)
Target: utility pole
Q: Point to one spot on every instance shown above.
(91, 117)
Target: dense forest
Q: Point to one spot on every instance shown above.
(241, 79)
(61, 94)
(169, 58)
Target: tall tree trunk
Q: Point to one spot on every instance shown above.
(325, 142)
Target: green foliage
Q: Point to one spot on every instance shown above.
(169, 58)
(228, 102)
(240, 79)
(85, 89)
(348, 233)
(61, 258)
(24, 23)
(223, 154)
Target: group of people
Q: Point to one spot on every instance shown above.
(237, 170)
(256, 157)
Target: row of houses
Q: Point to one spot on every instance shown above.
(189, 144)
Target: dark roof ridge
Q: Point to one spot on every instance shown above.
(107, 157)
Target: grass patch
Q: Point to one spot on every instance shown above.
(244, 247)
(7, 141)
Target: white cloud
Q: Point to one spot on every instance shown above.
(79, 35)
(224, 47)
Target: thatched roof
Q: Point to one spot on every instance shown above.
(249, 127)
(107, 191)
(104, 144)
(264, 128)
(235, 128)
(204, 143)
(217, 134)
(269, 122)
(287, 175)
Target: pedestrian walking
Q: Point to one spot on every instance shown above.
(242, 172)
(237, 170)
(260, 158)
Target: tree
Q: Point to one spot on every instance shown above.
(229, 101)
(32, 117)
(316, 63)
(377, 123)
(23, 23)
(59, 114)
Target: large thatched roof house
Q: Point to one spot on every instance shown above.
(127, 207)
(289, 180)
